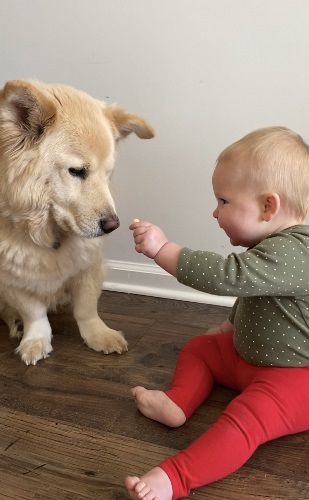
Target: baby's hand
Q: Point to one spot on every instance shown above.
(216, 330)
(226, 327)
(149, 239)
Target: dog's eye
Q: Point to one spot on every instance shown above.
(78, 172)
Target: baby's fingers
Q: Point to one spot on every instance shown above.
(139, 224)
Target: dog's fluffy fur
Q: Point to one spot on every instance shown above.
(56, 157)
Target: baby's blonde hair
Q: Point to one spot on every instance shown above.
(274, 159)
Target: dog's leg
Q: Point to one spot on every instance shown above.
(36, 341)
(13, 320)
(86, 289)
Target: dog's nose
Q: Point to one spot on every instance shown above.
(109, 224)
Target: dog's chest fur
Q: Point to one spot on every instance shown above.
(42, 270)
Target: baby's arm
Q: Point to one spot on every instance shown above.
(167, 257)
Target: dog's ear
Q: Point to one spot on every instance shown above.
(25, 109)
(124, 123)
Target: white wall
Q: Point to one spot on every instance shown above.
(203, 72)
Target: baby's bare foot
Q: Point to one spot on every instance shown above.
(158, 406)
(155, 485)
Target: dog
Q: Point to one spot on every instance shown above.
(57, 148)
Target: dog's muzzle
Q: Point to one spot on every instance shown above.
(109, 224)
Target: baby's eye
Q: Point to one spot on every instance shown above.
(222, 201)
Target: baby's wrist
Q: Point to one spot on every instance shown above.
(162, 246)
(167, 257)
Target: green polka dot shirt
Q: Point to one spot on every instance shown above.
(271, 282)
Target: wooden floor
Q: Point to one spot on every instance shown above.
(69, 429)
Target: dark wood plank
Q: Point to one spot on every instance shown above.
(69, 428)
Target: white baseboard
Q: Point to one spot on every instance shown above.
(150, 279)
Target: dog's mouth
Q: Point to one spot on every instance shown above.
(103, 226)
(66, 226)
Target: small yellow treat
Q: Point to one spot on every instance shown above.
(135, 220)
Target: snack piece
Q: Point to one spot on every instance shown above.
(135, 220)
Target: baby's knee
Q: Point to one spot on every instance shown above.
(198, 344)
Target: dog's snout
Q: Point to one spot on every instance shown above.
(109, 224)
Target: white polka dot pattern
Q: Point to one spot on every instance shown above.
(271, 281)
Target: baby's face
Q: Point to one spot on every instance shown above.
(240, 207)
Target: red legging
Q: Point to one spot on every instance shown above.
(273, 402)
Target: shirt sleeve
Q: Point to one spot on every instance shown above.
(276, 266)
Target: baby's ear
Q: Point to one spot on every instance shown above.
(271, 206)
(124, 123)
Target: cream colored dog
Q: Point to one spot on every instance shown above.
(57, 148)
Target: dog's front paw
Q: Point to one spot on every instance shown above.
(101, 338)
(32, 350)
(108, 342)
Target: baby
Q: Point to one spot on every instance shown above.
(261, 184)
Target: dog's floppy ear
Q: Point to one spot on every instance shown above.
(25, 109)
(124, 123)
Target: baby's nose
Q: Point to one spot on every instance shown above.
(215, 213)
